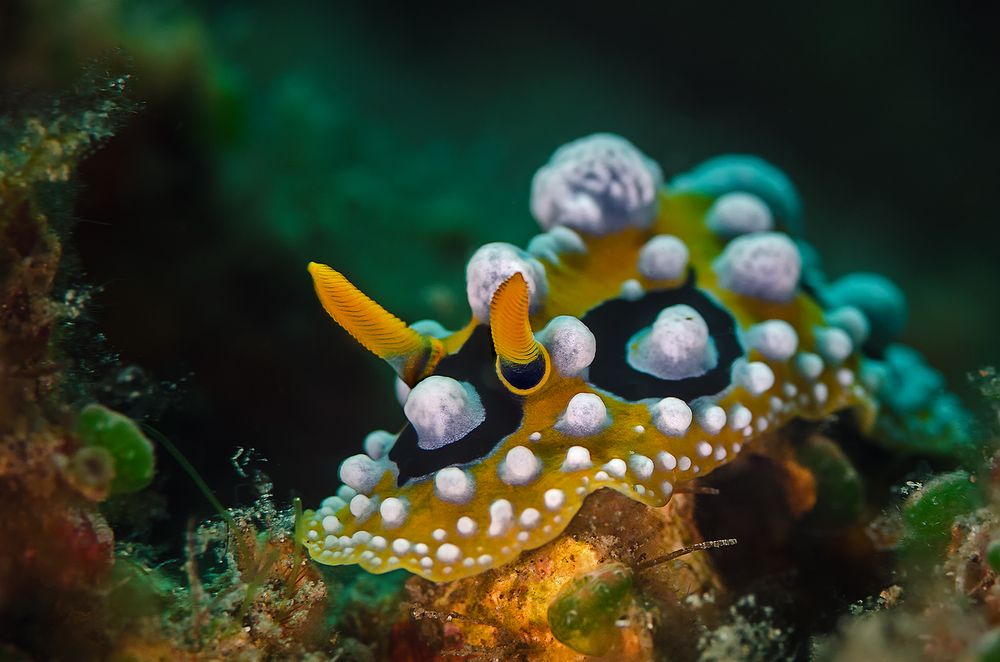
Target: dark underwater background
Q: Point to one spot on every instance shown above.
(390, 141)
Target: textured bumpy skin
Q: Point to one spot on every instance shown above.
(610, 397)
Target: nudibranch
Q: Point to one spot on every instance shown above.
(645, 338)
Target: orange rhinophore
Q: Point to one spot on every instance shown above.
(410, 353)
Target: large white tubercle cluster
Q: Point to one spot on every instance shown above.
(598, 184)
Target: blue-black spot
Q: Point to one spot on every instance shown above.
(474, 363)
(615, 322)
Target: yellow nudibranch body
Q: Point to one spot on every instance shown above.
(645, 339)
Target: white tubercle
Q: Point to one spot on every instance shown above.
(454, 485)
(809, 365)
(632, 290)
(501, 517)
(711, 417)
(378, 443)
(443, 410)
(775, 339)
(676, 346)
(554, 499)
(577, 459)
(494, 263)
(755, 376)
(763, 265)
(555, 243)
(664, 257)
(520, 466)
(585, 415)
(851, 320)
(570, 344)
(833, 344)
(361, 473)
(641, 466)
(739, 417)
(739, 213)
(672, 416)
(393, 511)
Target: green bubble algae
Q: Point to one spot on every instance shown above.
(584, 613)
(130, 450)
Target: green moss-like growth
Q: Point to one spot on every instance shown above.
(930, 513)
(583, 615)
(840, 491)
(132, 452)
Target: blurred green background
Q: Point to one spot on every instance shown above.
(391, 140)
